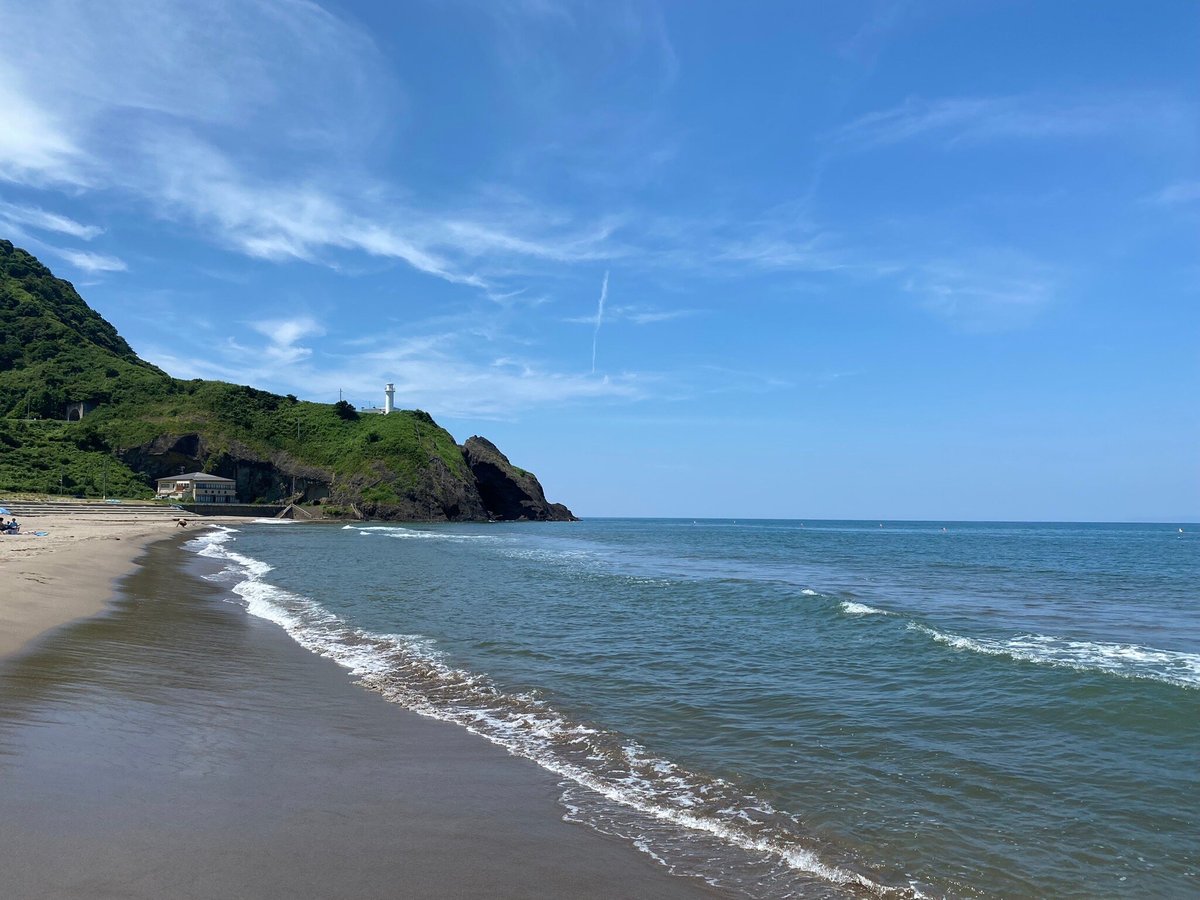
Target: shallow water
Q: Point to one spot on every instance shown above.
(787, 708)
(176, 747)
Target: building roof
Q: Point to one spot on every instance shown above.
(196, 476)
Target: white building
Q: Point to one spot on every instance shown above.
(198, 487)
(389, 402)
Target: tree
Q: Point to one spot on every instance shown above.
(345, 410)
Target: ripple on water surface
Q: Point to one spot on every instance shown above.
(872, 714)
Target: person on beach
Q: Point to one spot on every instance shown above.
(182, 523)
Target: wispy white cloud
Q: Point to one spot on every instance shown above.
(288, 331)
(283, 336)
(768, 249)
(91, 262)
(985, 291)
(599, 319)
(726, 380)
(478, 238)
(36, 145)
(653, 316)
(433, 371)
(638, 315)
(1178, 194)
(263, 153)
(881, 20)
(539, 40)
(972, 120)
(35, 217)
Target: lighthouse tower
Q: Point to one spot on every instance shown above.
(389, 398)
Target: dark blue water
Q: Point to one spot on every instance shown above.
(798, 709)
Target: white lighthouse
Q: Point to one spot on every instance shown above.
(389, 398)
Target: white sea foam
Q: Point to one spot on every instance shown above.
(850, 608)
(208, 542)
(660, 807)
(809, 592)
(1123, 660)
(572, 558)
(274, 521)
(408, 533)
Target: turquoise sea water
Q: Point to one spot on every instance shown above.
(796, 709)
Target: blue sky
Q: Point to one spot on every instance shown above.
(883, 260)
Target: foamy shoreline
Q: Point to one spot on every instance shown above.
(265, 772)
(68, 574)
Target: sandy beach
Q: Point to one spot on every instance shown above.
(176, 746)
(68, 573)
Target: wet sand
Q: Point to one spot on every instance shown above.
(67, 574)
(177, 747)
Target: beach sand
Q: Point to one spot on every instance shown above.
(176, 746)
(48, 581)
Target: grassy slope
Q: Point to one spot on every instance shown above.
(44, 457)
(54, 349)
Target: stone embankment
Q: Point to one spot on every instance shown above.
(94, 510)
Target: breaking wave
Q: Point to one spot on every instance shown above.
(850, 608)
(1123, 660)
(407, 533)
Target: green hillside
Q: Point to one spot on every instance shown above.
(141, 424)
(55, 349)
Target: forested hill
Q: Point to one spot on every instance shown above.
(54, 348)
(45, 313)
(141, 424)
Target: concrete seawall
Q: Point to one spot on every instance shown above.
(249, 510)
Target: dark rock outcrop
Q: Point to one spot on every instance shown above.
(509, 493)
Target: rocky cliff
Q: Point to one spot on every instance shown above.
(508, 492)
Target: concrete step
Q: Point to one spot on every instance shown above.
(95, 509)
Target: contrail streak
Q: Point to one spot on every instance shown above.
(599, 319)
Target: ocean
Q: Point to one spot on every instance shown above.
(794, 709)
